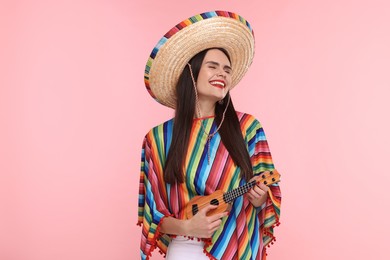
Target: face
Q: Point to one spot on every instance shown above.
(214, 79)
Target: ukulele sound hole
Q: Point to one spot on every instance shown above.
(214, 202)
(194, 209)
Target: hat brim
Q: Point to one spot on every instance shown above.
(208, 30)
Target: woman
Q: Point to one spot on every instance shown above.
(207, 146)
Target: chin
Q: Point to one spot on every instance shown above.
(221, 97)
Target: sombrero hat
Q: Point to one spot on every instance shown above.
(220, 29)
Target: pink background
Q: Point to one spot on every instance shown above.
(74, 111)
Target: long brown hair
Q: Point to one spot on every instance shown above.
(230, 130)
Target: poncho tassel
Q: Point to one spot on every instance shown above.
(154, 241)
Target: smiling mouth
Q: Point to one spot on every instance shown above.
(218, 83)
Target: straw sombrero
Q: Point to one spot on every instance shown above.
(207, 30)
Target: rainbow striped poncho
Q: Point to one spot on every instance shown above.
(247, 230)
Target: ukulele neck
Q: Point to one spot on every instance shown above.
(229, 196)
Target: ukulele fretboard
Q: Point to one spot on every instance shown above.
(229, 196)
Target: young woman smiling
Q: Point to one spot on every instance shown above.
(207, 146)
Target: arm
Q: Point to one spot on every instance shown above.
(269, 212)
(201, 225)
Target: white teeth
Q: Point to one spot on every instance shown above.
(217, 83)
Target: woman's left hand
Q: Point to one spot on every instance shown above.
(258, 194)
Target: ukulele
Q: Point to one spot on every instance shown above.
(224, 199)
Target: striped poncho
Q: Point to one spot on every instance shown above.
(247, 230)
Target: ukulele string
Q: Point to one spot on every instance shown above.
(250, 185)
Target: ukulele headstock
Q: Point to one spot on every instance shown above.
(269, 177)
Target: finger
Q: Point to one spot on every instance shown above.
(214, 229)
(218, 216)
(207, 209)
(258, 191)
(250, 196)
(255, 193)
(210, 233)
(215, 226)
(263, 187)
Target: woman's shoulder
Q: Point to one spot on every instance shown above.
(161, 129)
(247, 121)
(251, 127)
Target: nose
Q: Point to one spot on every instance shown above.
(222, 73)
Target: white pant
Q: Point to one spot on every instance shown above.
(184, 248)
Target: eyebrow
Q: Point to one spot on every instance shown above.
(217, 64)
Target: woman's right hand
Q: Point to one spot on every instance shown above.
(203, 226)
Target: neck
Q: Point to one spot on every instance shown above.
(207, 108)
